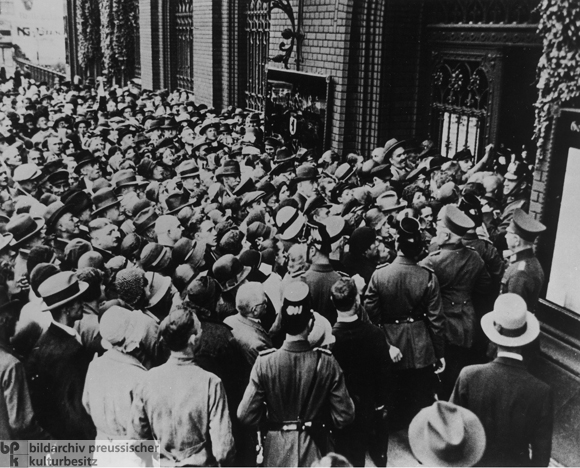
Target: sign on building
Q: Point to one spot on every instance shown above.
(297, 108)
(38, 30)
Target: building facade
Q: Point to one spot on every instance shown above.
(460, 72)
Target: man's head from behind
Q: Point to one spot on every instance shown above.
(181, 329)
(251, 300)
(344, 295)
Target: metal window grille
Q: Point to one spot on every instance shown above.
(483, 11)
(184, 34)
(460, 106)
(258, 40)
(137, 42)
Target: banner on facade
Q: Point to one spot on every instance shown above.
(297, 108)
(38, 30)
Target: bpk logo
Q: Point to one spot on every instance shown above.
(10, 448)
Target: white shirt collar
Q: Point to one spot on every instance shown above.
(507, 354)
(346, 319)
(70, 331)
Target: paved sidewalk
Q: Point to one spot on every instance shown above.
(399, 451)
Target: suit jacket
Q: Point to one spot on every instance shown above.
(363, 354)
(250, 335)
(320, 278)
(525, 277)
(56, 369)
(17, 420)
(404, 289)
(461, 274)
(278, 389)
(515, 408)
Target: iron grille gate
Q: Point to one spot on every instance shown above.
(137, 42)
(184, 49)
(258, 40)
(460, 106)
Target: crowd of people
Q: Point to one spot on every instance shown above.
(170, 273)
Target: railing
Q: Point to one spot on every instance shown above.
(39, 73)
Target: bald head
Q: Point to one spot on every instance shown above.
(249, 298)
(168, 230)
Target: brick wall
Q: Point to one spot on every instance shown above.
(537, 196)
(325, 51)
(372, 50)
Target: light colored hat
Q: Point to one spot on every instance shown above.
(510, 324)
(120, 327)
(60, 289)
(290, 222)
(389, 201)
(445, 434)
(26, 172)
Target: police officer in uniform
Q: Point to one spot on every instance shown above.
(524, 275)
(461, 273)
(296, 393)
(404, 299)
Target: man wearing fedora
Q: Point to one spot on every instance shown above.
(107, 205)
(228, 175)
(306, 181)
(445, 434)
(26, 233)
(515, 408)
(17, 421)
(88, 169)
(58, 364)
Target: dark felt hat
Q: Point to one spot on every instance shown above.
(83, 158)
(229, 271)
(23, 227)
(306, 172)
(145, 219)
(176, 201)
(104, 199)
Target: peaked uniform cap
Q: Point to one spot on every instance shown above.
(455, 220)
(525, 225)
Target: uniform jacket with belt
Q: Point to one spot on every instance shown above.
(515, 409)
(405, 289)
(525, 277)
(56, 368)
(461, 274)
(278, 392)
